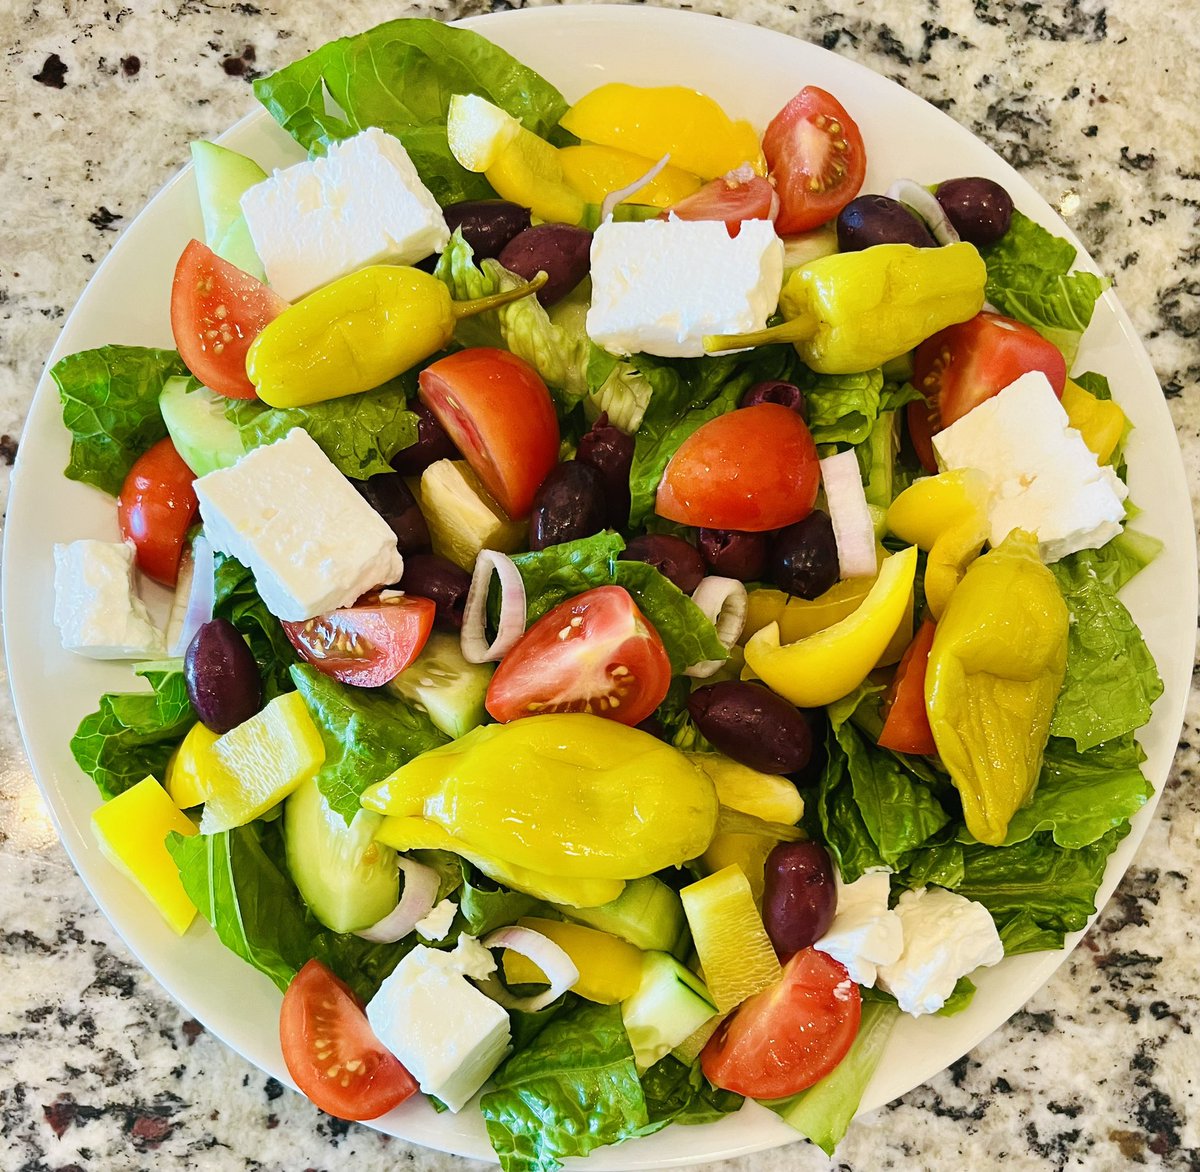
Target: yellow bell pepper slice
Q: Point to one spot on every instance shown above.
(595, 171)
(1100, 421)
(610, 969)
(765, 795)
(193, 767)
(826, 666)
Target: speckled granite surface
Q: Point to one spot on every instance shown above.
(1094, 102)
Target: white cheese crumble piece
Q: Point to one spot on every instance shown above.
(1042, 477)
(449, 1035)
(286, 512)
(659, 286)
(946, 936)
(437, 923)
(363, 203)
(864, 933)
(96, 608)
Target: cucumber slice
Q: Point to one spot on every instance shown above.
(461, 520)
(196, 423)
(647, 913)
(669, 1006)
(222, 177)
(443, 684)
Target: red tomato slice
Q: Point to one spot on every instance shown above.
(961, 366)
(156, 506)
(331, 1052)
(816, 156)
(499, 414)
(906, 729)
(753, 469)
(368, 643)
(216, 312)
(594, 653)
(789, 1036)
(729, 199)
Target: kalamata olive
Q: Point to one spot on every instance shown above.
(776, 391)
(610, 451)
(221, 676)
(979, 209)
(752, 725)
(487, 225)
(734, 554)
(804, 559)
(568, 504)
(431, 576)
(432, 444)
(390, 497)
(561, 251)
(799, 896)
(671, 556)
(876, 219)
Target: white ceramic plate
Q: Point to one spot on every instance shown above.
(752, 72)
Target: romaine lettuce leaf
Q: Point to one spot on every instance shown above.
(237, 600)
(677, 1093)
(842, 408)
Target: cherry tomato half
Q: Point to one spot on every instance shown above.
(594, 653)
(788, 1036)
(498, 412)
(156, 506)
(729, 199)
(368, 643)
(816, 156)
(331, 1052)
(216, 312)
(906, 728)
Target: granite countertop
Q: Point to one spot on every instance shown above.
(1095, 103)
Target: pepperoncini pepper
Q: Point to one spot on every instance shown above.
(565, 807)
(1100, 421)
(358, 332)
(996, 667)
(854, 311)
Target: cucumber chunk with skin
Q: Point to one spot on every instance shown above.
(196, 423)
(443, 684)
(647, 913)
(669, 1006)
(222, 177)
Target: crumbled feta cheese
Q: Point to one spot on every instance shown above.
(363, 203)
(864, 932)
(437, 923)
(946, 936)
(1042, 477)
(658, 287)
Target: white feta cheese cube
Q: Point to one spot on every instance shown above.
(363, 203)
(946, 936)
(865, 933)
(311, 541)
(1041, 475)
(659, 286)
(96, 608)
(437, 923)
(449, 1035)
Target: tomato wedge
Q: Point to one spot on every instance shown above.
(906, 729)
(730, 199)
(216, 313)
(497, 410)
(816, 156)
(594, 653)
(331, 1052)
(368, 643)
(789, 1036)
(156, 506)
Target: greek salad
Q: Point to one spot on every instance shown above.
(646, 611)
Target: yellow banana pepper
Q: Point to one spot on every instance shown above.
(995, 670)
(565, 807)
(1100, 421)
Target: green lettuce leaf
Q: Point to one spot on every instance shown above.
(842, 825)
(677, 1093)
(842, 408)
(110, 407)
(237, 600)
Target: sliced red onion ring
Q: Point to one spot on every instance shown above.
(925, 205)
(200, 586)
(417, 897)
(558, 967)
(853, 528)
(615, 197)
(723, 601)
(475, 647)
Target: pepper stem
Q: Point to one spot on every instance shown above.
(462, 309)
(796, 329)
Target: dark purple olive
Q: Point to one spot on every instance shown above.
(561, 251)
(653, 726)
(876, 219)
(610, 451)
(752, 725)
(221, 676)
(979, 209)
(776, 391)
(804, 559)
(390, 497)
(487, 225)
(734, 554)
(432, 444)
(799, 896)
(671, 556)
(430, 576)
(568, 504)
